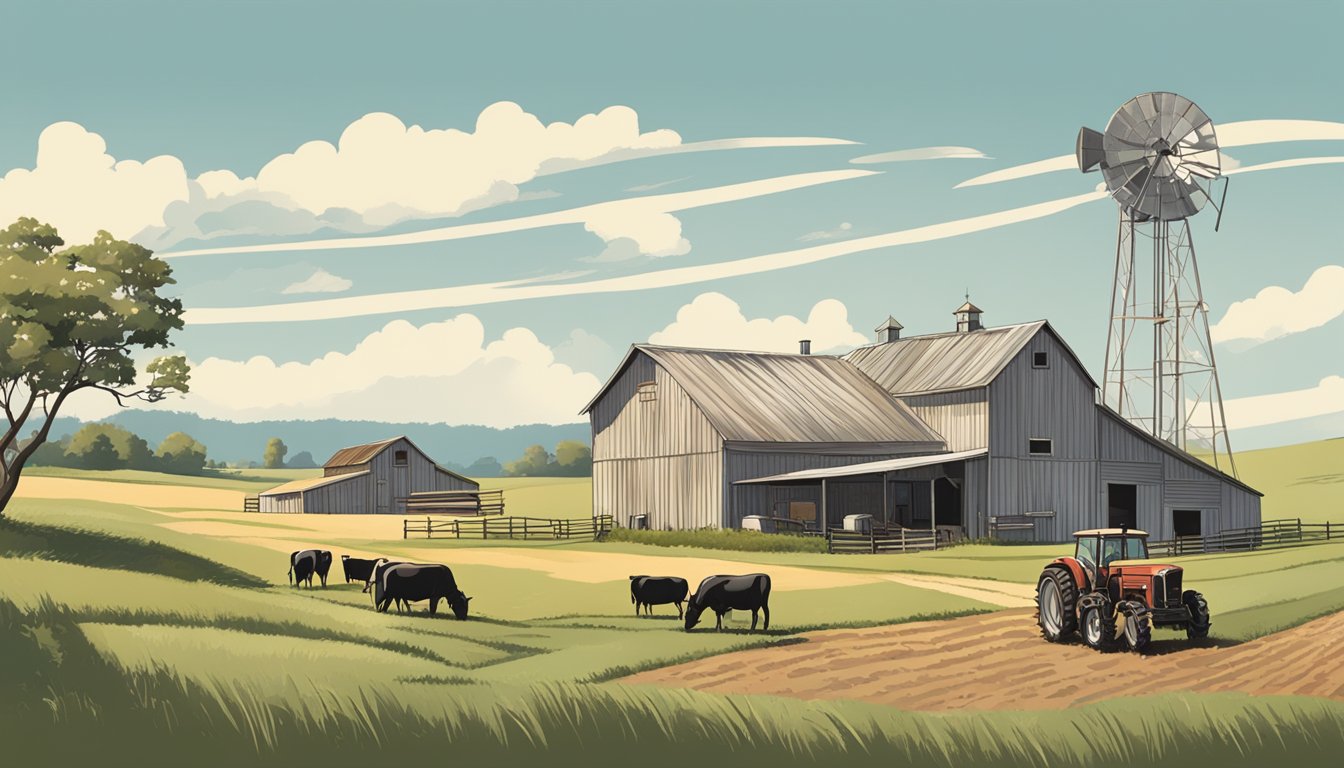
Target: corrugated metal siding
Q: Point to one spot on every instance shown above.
(1193, 494)
(943, 361)
(1239, 508)
(281, 503)
(975, 498)
(1067, 488)
(676, 492)
(670, 425)
(1057, 403)
(755, 499)
(962, 418)
(347, 497)
(771, 398)
(661, 458)
(1131, 472)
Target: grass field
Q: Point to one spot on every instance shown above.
(125, 625)
(1305, 480)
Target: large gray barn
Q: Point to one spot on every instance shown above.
(366, 479)
(981, 431)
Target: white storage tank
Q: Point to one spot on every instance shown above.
(760, 523)
(859, 523)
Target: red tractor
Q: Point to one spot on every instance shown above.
(1109, 590)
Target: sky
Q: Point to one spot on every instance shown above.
(466, 212)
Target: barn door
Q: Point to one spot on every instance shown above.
(400, 488)
(384, 497)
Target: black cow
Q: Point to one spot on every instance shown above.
(725, 593)
(648, 591)
(358, 569)
(380, 567)
(306, 562)
(411, 582)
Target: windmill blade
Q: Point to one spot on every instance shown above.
(1089, 150)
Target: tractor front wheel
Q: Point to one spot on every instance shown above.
(1198, 628)
(1098, 626)
(1056, 605)
(1138, 629)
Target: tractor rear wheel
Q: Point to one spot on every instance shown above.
(1056, 605)
(1138, 629)
(1198, 628)
(1097, 625)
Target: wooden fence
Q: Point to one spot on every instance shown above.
(881, 540)
(1270, 534)
(507, 528)
(251, 504)
(457, 502)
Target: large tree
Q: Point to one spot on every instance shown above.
(72, 319)
(274, 456)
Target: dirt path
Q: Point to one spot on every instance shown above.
(999, 661)
(132, 494)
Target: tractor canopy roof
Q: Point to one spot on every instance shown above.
(1110, 532)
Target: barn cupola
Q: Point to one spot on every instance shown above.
(968, 317)
(890, 330)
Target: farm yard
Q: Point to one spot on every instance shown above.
(136, 609)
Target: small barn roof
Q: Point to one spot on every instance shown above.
(946, 362)
(359, 454)
(363, 454)
(782, 398)
(890, 322)
(968, 307)
(307, 484)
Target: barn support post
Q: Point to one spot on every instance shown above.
(886, 503)
(933, 510)
(825, 519)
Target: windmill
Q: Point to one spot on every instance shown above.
(1159, 159)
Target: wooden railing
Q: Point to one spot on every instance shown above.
(507, 528)
(251, 504)
(880, 540)
(1270, 534)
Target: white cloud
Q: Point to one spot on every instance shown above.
(379, 172)
(922, 153)
(493, 293)
(716, 321)
(665, 203)
(443, 372)
(828, 234)
(79, 188)
(321, 281)
(630, 230)
(584, 351)
(1276, 311)
(1326, 398)
(1243, 133)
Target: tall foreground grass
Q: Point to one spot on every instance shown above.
(64, 704)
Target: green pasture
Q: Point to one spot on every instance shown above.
(1304, 480)
(119, 632)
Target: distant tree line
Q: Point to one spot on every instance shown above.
(108, 446)
(571, 459)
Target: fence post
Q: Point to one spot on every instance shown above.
(1327, 530)
(872, 539)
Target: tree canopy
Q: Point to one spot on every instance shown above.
(74, 319)
(274, 456)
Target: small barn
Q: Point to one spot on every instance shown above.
(375, 478)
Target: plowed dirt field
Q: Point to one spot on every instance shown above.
(999, 661)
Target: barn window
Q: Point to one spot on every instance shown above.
(1040, 359)
(399, 459)
(647, 391)
(1039, 446)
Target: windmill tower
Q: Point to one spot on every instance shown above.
(1159, 159)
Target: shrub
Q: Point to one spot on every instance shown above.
(709, 538)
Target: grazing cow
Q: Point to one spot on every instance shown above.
(306, 562)
(725, 593)
(376, 577)
(411, 582)
(358, 569)
(648, 591)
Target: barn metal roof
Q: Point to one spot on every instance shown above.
(298, 486)
(782, 398)
(946, 362)
(359, 454)
(869, 467)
